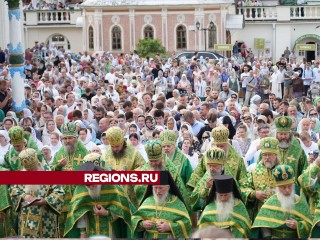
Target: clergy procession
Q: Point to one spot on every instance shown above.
(277, 198)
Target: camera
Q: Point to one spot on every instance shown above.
(315, 154)
(106, 81)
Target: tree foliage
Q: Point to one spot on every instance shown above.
(149, 47)
(12, 4)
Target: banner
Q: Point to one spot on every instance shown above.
(223, 47)
(259, 43)
(79, 177)
(306, 47)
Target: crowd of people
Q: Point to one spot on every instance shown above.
(237, 148)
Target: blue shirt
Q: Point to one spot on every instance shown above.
(196, 127)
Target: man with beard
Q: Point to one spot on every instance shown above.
(225, 209)
(19, 142)
(285, 214)
(234, 163)
(259, 184)
(309, 181)
(158, 162)
(38, 206)
(68, 158)
(215, 158)
(315, 231)
(163, 212)
(291, 152)
(99, 209)
(174, 154)
(120, 156)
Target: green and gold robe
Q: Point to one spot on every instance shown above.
(11, 161)
(234, 165)
(36, 221)
(260, 179)
(113, 198)
(140, 190)
(5, 210)
(311, 186)
(293, 156)
(239, 221)
(173, 211)
(183, 165)
(131, 160)
(73, 162)
(272, 216)
(315, 231)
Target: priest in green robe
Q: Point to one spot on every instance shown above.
(259, 184)
(158, 162)
(234, 163)
(99, 210)
(20, 141)
(309, 181)
(68, 158)
(291, 152)
(285, 214)
(315, 231)
(163, 213)
(5, 213)
(120, 155)
(215, 158)
(174, 154)
(38, 206)
(225, 209)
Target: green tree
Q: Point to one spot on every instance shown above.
(149, 47)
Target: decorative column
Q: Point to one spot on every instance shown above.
(165, 35)
(97, 29)
(16, 55)
(132, 29)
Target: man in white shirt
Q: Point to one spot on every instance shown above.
(316, 72)
(110, 76)
(114, 95)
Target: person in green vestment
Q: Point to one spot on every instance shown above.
(120, 155)
(215, 158)
(169, 139)
(158, 162)
(259, 184)
(5, 213)
(68, 158)
(309, 181)
(163, 213)
(315, 231)
(285, 214)
(19, 142)
(99, 209)
(234, 163)
(225, 209)
(38, 206)
(291, 152)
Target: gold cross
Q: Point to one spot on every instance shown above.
(78, 159)
(290, 159)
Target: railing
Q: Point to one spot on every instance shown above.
(280, 13)
(258, 13)
(44, 17)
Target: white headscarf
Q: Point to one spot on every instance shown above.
(5, 134)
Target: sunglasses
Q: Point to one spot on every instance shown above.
(206, 137)
(313, 114)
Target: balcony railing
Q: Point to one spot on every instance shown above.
(280, 13)
(45, 17)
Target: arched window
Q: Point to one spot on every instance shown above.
(148, 32)
(212, 34)
(59, 40)
(91, 38)
(116, 38)
(181, 37)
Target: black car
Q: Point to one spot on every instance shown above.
(188, 55)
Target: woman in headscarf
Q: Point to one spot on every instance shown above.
(8, 123)
(135, 140)
(55, 143)
(188, 150)
(13, 115)
(49, 128)
(305, 126)
(85, 137)
(183, 84)
(149, 128)
(172, 125)
(227, 122)
(254, 104)
(4, 144)
(206, 138)
(243, 138)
